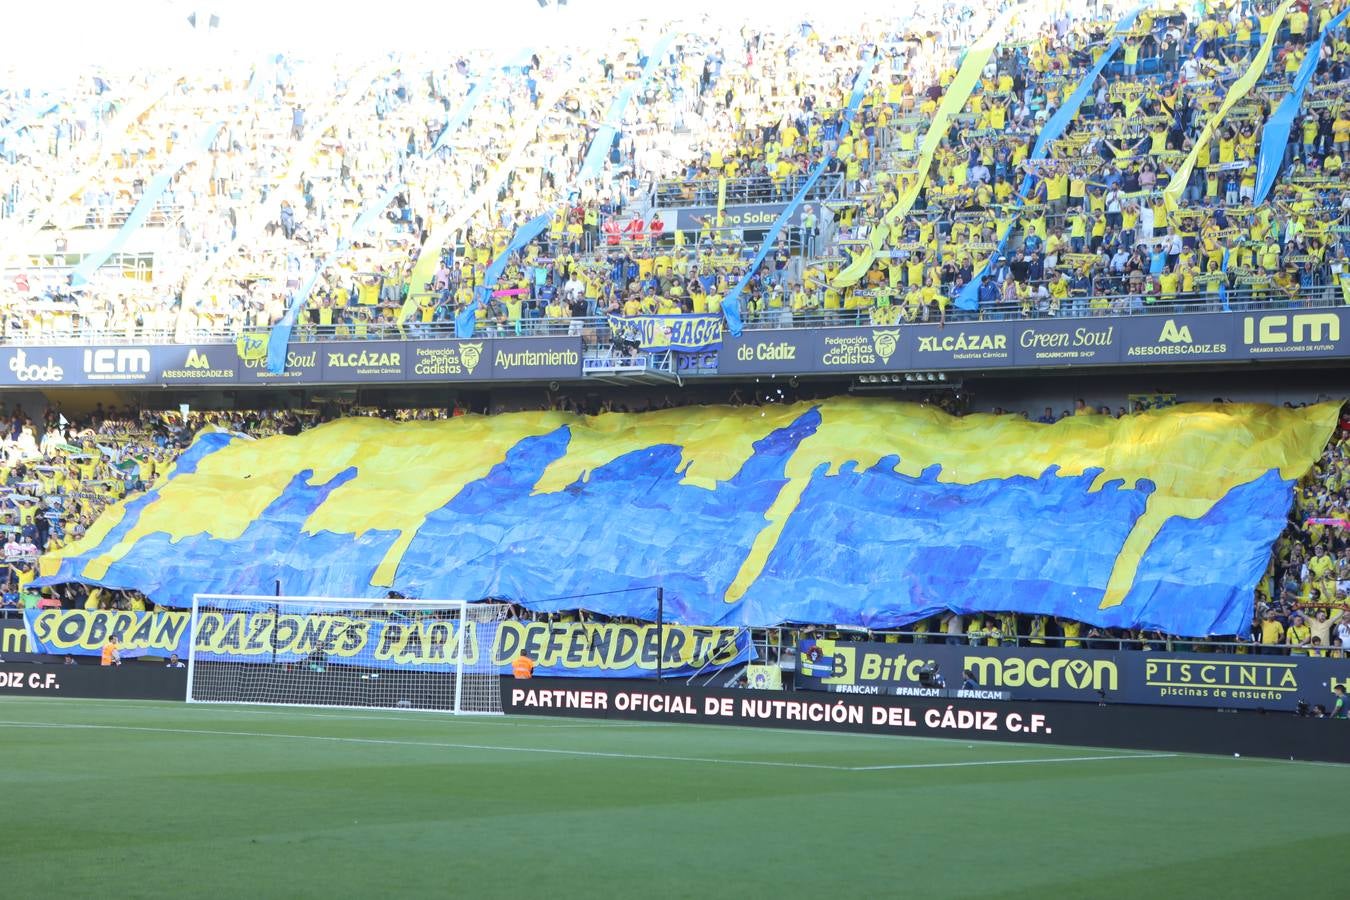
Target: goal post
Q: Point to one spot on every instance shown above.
(355, 653)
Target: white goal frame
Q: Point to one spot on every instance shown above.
(337, 606)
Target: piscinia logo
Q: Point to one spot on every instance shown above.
(884, 342)
(1171, 334)
(470, 354)
(25, 372)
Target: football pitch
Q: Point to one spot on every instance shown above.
(161, 799)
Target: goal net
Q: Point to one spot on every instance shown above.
(355, 653)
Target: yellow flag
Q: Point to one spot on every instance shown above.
(953, 101)
(252, 345)
(1239, 90)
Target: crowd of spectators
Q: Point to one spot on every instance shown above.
(1094, 234)
(340, 190)
(1303, 600)
(332, 186)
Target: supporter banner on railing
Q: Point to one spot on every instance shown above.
(1158, 677)
(696, 331)
(329, 362)
(746, 216)
(608, 650)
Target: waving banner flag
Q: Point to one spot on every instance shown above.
(1236, 93)
(731, 304)
(604, 136)
(149, 199)
(953, 101)
(1275, 133)
(466, 319)
(1054, 127)
(853, 511)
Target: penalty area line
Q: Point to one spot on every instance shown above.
(1012, 762)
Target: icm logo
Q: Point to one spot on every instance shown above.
(122, 361)
(23, 371)
(884, 343)
(1171, 334)
(1305, 328)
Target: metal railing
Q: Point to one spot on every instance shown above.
(744, 190)
(1105, 307)
(533, 323)
(1089, 639)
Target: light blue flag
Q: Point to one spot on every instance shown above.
(465, 319)
(969, 296)
(731, 304)
(1275, 134)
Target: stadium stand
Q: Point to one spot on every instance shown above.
(358, 201)
(1032, 160)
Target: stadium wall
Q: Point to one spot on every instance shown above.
(1161, 678)
(134, 681)
(1144, 343)
(1056, 724)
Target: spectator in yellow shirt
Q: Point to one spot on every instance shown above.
(1272, 634)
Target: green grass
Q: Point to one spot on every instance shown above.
(145, 799)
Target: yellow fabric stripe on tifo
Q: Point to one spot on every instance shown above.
(1236, 93)
(953, 101)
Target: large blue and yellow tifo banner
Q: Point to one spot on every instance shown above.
(427, 643)
(853, 511)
